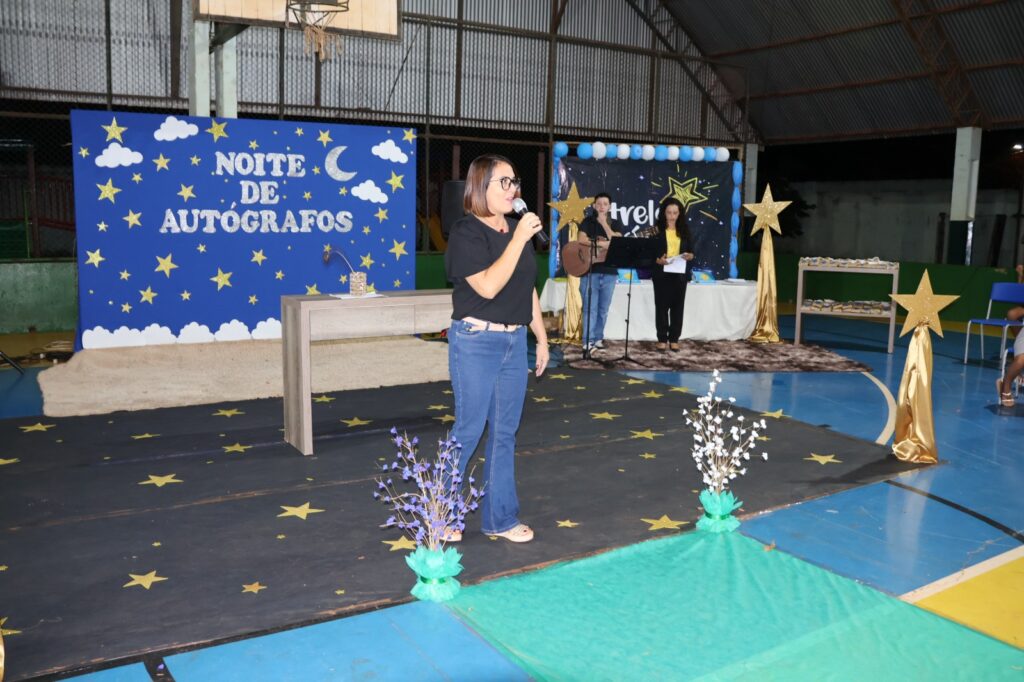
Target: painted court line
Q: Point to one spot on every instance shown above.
(963, 576)
(890, 402)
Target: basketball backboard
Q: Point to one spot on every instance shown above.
(372, 18)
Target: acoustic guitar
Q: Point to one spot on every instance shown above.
(577, 257)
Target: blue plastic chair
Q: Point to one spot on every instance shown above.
(1002, 292)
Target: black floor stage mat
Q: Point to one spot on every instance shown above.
(91, 501)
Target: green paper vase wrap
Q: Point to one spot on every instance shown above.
(436, 569)
(718, 509)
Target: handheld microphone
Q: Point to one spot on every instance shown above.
(520, 209)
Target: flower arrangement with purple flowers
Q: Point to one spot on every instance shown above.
(436, 509)
(722, 443)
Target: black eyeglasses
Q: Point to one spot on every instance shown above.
(507, 182)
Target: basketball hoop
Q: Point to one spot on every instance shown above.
(314, 16)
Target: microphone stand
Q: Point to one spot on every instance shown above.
(587, 348)
(629, 302)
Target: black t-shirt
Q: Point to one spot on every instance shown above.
(594, 230)
(473, 247)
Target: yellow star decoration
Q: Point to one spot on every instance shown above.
(253, 300)
(125, 274)
(254, 145)
(923, 306)
(381, 214)
(186, 295)
(147, 295)
(324, 137)
(108, 191)
(145, 580)
(158, 544)
(366, 261)
(307, 195)
(237, 447)
(631, 382)
(542, 399)
(195, 160)
(648, 455)
(5, 462)
(370, 288)
(323, 399)
(408, 135)
(2, 569)
(366, 229)
(686, 192)
(604, 415)
(567, 524)
(652, 394)
(648, 434)
(186, 192)
(145, 436)
(300, 512)
(217, 129)
(280, 536)
(398, 249)
(400, 544)
(4, 632)
(223, 279)
(94, 258)
(316, 170)
(397, 283)
(823, 459)
(165, 264)
(114, 131)
(201, 248)
(777, 414)
(279, 274)
(679, 389)
(228, 413)
(446, 419)
(560, 376)
(343, 191)
(133, 219)
(664, 523)
(160, 481)
(339, 592)
(311, 290)
(38, 426)
(253, 588)
(299, 132)
(396, 182)
(356, 421)
(126, 307)
(136, 178)
(161, 162)
(437, 407)
(767, 212)
(101, 226)
(571, 209)
(83, 152)
(342, 278)
(258, 257)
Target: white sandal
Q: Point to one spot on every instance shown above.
(517, 533)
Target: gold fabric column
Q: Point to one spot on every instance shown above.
(1, 658)
(572, 314)
(766, 328)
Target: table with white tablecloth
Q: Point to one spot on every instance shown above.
(717, 310)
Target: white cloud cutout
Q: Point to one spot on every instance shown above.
(233, 331)
(115, 155)
(267, 329)
(175, 129)
(368, 191)
(155, 334)
(98, 337)
(389, 151)
(193, 332)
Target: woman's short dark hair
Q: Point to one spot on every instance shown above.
(474, 199)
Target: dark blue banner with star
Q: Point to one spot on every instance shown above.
(707, 191)
(191, 229)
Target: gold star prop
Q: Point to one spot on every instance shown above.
(311, 290)
(108, 191)
(777, 414)
(400, 544)
(408, 135)
(160, 481)
(217, 129)
(228, 413)
(766, 326)
(133, 219)
(823, 459)
(145, 436)
(301, 512)
(324, 137)
(398, 249)
(356, 421)
(258, 257)
(94, 258)
(237, 447)
(323, 399)
(147, 295)
(685, 192)
(253, 588)
(923, 306)
(664, 523)
(186, 192)
(161, 162)
(38, 426)
(568, 523)
(146, 580)
(767, 212)
(114, 131)
(648, 434)
(571, 209)
(604, 415)
(396, 182)
(6, 631)
(165, 265)
(223, 279)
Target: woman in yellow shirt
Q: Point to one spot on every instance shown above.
(670, 287)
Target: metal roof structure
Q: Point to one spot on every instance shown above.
(821, 70)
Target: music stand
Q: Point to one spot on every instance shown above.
(632, 252)
(6, 358)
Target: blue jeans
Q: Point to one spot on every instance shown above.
(602, 288)
(488, 371)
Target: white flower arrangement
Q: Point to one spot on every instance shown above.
(722, 439)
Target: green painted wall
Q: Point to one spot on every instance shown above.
(40, 294)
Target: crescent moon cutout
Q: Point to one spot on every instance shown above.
(331, 166)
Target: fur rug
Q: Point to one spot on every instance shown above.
(704, 356)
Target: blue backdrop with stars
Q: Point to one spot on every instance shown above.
(190, 229)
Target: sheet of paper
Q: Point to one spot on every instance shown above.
(676, 264)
